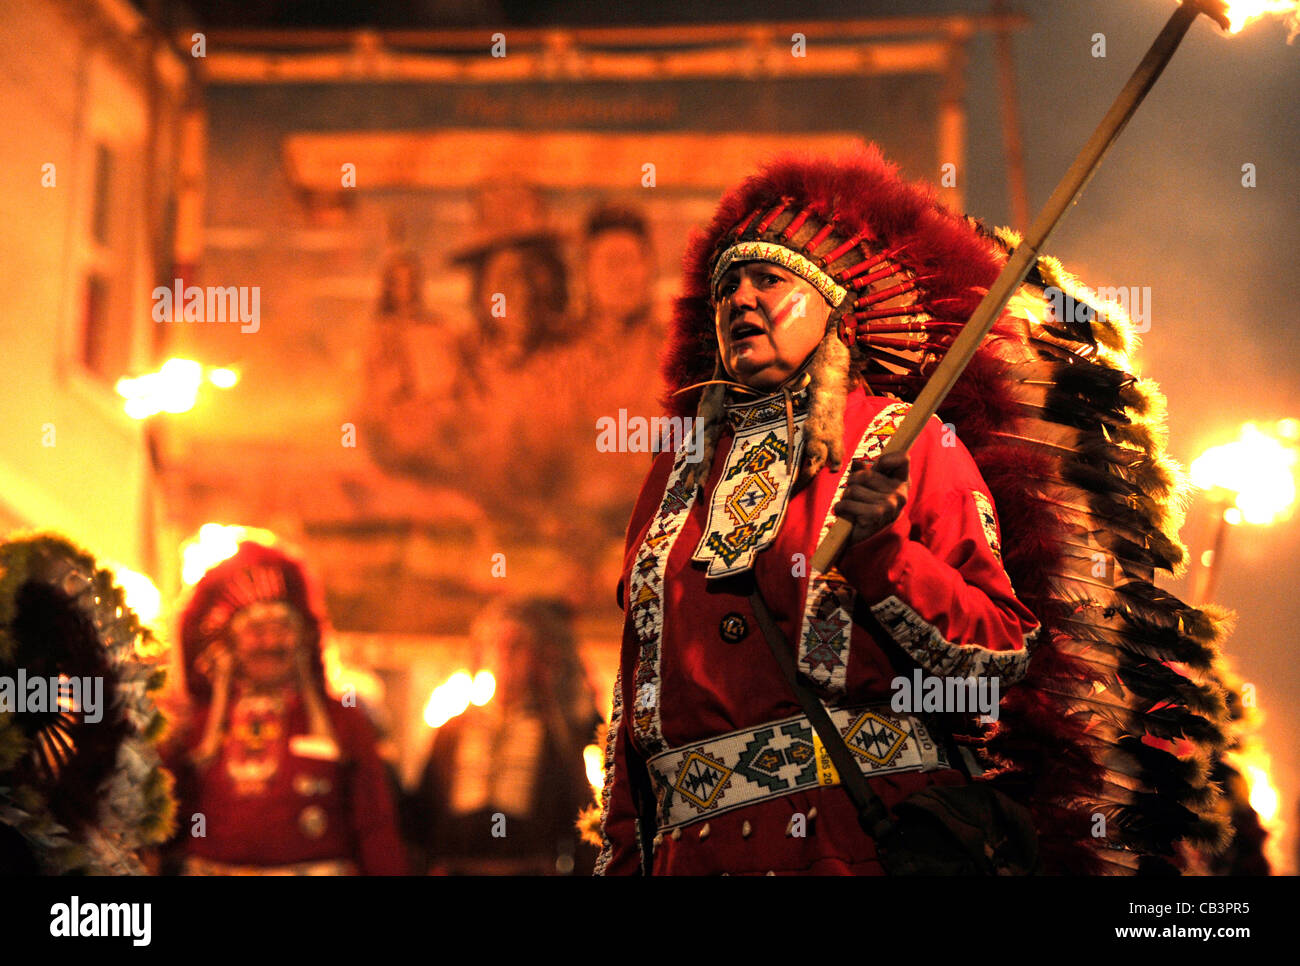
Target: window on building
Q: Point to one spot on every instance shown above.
(106, 325)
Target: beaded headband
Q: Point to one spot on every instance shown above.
(788, 258)
(865, 294)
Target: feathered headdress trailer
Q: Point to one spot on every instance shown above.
(82, 787)
(1105, 741)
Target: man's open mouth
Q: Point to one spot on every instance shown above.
(744, 330)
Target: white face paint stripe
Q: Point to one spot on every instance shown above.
(788, 258)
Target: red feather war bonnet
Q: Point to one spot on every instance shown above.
(1071, 444)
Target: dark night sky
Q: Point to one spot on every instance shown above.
(1167, 210)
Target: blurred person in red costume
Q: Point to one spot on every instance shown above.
(711, 765)
(274, 776)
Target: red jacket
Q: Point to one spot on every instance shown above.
(940, 598)
(308, 808)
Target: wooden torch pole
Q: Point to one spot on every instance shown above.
(1025, 255)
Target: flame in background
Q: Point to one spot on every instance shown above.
(142, 596)
(214, 543)
(1241, 13)
(1258, 467)
(593, 756)
(1256, 767)
(172, 389)
(342, 678)
(223, 378)
(594, 760)
(456, 694)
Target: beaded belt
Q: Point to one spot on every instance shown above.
(194, 865)
(707, 778)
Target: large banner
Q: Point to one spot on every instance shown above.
(475, 278)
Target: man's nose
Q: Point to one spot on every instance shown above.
(745, 295)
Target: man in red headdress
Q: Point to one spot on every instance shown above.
(274, 777)
(711, 765)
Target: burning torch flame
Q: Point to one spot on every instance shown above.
(1263, 796)
(1243, 12)
(456, 694)
(172, 389)
(594, 760)
(1258, 467)
(223, 378)
(343, 679)
(141, 595)
(1255, 764)
(216, 542)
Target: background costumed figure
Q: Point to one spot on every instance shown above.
(504, 782)
(274, 775)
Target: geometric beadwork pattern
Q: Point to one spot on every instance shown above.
(744, 416)
(731, 771)
(780, 757)
(788, 258)
(646, 580)
(701, 779)
(750, 499)
(645, 602)
(827, 629)
(989, 520)
(923, 642)
(607, 792)
(875, 739)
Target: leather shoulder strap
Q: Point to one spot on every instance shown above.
(872, 814)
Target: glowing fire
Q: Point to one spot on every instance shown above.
(594, 759)
(1255, 766)
(223, 378)
(1243, 12)
(141, 595)
(1258, 467)
(456, 694)
(343, 680)
(1263, 796)
(172, 389)
(593, 756)
(481, 691)
(216, 542)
